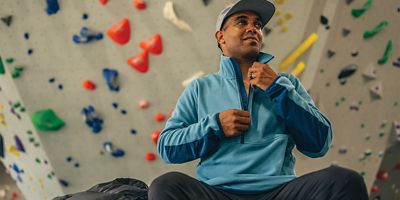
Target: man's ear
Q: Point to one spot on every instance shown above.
(219, 36)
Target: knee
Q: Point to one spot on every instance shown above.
(345, 176)
(164, 183)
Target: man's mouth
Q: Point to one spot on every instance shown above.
(251, 38)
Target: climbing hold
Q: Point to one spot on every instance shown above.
(354, 53)
(51, 80)
(154, 136)
(354, 106)
(360, 11)
(324, 20)
(26, 35)
(2, 69)
(140, 62)
(13, 151)
(47, 120)
(370, 72)
(150, 156)
(206, 2)
(120, 32)
(68, 159)
(346, 72)
(153, 45)
(396, 126)
(30, 51)
(330, 53)
(386, 55)
(343, 150)
(348, 2)
(159, 117)
(52, 7)
(169, 14)
(133, 131)
(345, 32)
(111, 77)
(86, 36)
(7, 20)
(60, 86)
(298, 69)
(18, 144)
(85, 16)
(124, 112)
(143, 104)
(115, 105)
(92, 119)
(89, 85)
(139, 4)
(378, 28)
(395, 63)
(108, 146)
(302, 48)
(374, 189)
(63, 182)
(382, 175)
(266, 31)
(1, 146)
(103, 2)
(377, 89)
(17, 71)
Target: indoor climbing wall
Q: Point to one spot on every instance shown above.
(86, 86)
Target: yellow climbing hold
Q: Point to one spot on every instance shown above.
(3, 119)
(303, 47)
(13, 151)
(280, 1)
(278, 12)
(298, 69)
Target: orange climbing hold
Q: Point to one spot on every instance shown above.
(144, 104)
(121, 32)
(103, 2)
(155, 135)
(150, 156)
(89, 85)
(154, 45)
(159, 117)
(374, 189)
(139, 4)
(140, 62)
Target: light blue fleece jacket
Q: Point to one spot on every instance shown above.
(260, 159)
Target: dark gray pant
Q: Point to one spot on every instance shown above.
(331, 183)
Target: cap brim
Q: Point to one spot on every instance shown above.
(264, 9)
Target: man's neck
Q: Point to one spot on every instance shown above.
(245, 65)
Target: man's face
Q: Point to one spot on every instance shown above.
(241, 35)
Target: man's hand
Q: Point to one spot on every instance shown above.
(234, 122)
(261, 75)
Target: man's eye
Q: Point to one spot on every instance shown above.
(258, 25)
(242, 22)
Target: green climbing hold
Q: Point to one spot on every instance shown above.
(321, 71)
(327, 84)
(2, 70)
(343, 99)
(337, 103)
(381, 134)
(31, 139)
(17, 105)
(362, 125)
(10, 60)
(17, 72)
(22, 109)
(29, 132)
(388, 51)
(376, 29)
(362, 173)
(395, 103)
(357, 12)
(37, 145)
(47, 120)
(38, 160)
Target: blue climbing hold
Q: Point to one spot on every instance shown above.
(111, 75)
(18, 144)
(52, 7)
(86, 36)
(92, 119)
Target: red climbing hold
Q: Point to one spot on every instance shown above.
(154, 45)
(159, 117)
(121, 32)
(89, 85)
(144, 104)
(374, 189)
(155, 135)
(140, 62)
(397, 166)
(139, 4)
(150, 156)
(382, 175)
(103, 2)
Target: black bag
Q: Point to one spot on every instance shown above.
(118, 189)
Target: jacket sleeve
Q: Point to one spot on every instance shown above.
(185, 137)
(310, 129)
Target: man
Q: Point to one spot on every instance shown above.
(243, 123)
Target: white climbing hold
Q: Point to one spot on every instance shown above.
(169, 14)
(377, 89)
(370, 72)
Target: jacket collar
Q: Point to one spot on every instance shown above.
(230, 69)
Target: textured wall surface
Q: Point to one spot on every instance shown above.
(55, 67)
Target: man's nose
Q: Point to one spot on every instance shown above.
(251, 29)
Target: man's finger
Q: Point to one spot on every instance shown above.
(242, 113)
(242, 120)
